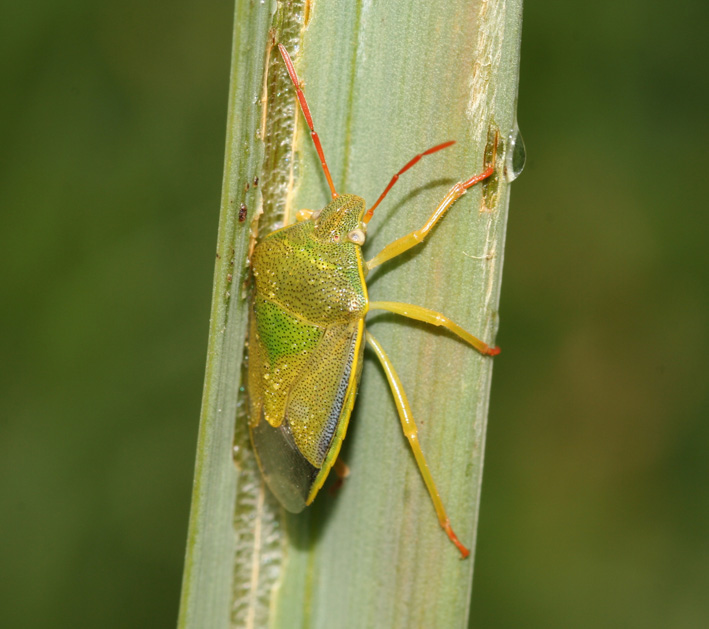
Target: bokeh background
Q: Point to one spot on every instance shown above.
(595, 509)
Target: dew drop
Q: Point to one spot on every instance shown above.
(516, 155)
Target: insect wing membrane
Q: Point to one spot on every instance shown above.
(296, 455)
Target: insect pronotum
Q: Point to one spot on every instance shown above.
(307, 333)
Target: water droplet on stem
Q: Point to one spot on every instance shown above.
(515, 156)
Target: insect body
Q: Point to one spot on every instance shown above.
(307, 334)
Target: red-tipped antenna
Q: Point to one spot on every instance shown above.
(395, 178)
(308, 117)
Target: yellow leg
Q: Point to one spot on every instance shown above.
(415, 237)
(411, 433)
(435, 318)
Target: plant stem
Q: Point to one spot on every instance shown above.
(384, 81)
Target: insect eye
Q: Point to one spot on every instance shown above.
(356, 236)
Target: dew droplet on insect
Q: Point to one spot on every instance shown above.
(516, 155)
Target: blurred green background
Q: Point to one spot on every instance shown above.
(595, 509)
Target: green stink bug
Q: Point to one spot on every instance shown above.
(307, 333)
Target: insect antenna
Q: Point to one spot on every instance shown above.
(308, 117)
(395, 178)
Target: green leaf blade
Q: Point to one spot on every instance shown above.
(384, 82)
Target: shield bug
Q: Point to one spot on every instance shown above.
(307, 335)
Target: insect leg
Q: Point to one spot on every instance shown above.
(303, 215)
(411, 433)
(342, 471)
(434, 318)
(417, 236)
(341, 468)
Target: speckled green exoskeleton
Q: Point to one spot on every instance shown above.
(307, 333)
